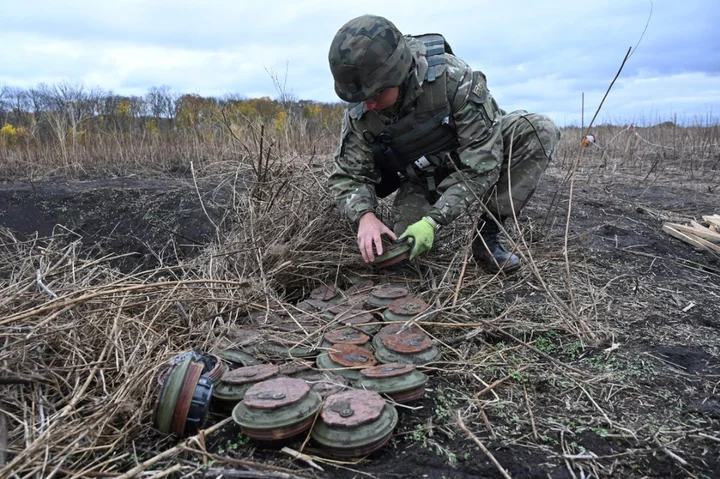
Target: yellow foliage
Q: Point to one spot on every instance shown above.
(192, 109)
(124, 108)
(280, 122)
(153, 128)
(10, 136)
(313, 111)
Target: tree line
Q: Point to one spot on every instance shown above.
(72, 114)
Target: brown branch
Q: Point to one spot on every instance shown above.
(482, 447)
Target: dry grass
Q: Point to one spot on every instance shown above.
(80, 354)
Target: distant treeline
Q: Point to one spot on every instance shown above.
(72, 114)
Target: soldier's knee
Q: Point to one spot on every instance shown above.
(546, 128)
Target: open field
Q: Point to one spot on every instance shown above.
(599, 358)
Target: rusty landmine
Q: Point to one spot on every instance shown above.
(276, 393)
(352, 408)
(343, 453)
(299, 323)
(187, 391)
(278, 434)
(325, 383)
(394, 254)
(408, 306)
(407, 396)
(312, 305)
(238, 357)
(408, 342)
(157, 397)
(169, 395)
(250, 374)
(388, 370)
(344, 308)
(400, 381)
(363, 287)
(287, 347)
(347, 336)
(354, 423)
(277, 409)
(393, 329)
(294, 367)
(389, 291)
(381, 296)
(362, 321)
(324, 293)
(199, 406)
(349, 355)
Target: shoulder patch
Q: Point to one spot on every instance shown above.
(480, 95)
(478, 91)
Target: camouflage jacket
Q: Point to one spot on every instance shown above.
(480, 150)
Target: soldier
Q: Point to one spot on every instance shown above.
(421, 122)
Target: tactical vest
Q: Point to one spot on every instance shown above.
(427, 130)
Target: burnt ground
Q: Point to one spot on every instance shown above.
(145, 223)
(651, 407)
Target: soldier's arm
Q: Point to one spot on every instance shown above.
(477, 120)
(354, 174)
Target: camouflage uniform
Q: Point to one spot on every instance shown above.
(479, 167)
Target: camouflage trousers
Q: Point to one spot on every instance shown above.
(531, 138)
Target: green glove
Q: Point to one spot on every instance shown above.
(421, 235)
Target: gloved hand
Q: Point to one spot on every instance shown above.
(421, 234)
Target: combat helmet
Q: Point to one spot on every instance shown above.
(367, 55)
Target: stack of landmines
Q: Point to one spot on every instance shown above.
(702, 237)
(366, 355)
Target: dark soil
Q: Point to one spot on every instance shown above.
(151, 222)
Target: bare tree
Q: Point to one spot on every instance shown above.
(3, 105)
(161, 103)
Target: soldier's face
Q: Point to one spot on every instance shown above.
(385, 99)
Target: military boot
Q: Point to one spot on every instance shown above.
(490, 253)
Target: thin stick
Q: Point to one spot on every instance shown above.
(672, 455)
(529, 410)
(707, 436)
(303, 457)
(482, 447)
(42, 286)
(607, 92)
(468, 248)
(486, 420)
(167, 472)
(240, 462)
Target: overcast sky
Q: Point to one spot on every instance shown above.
(539, 56)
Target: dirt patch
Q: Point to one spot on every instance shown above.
(690, 359)
(154, 222)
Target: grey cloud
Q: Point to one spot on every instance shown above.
(538, 56)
